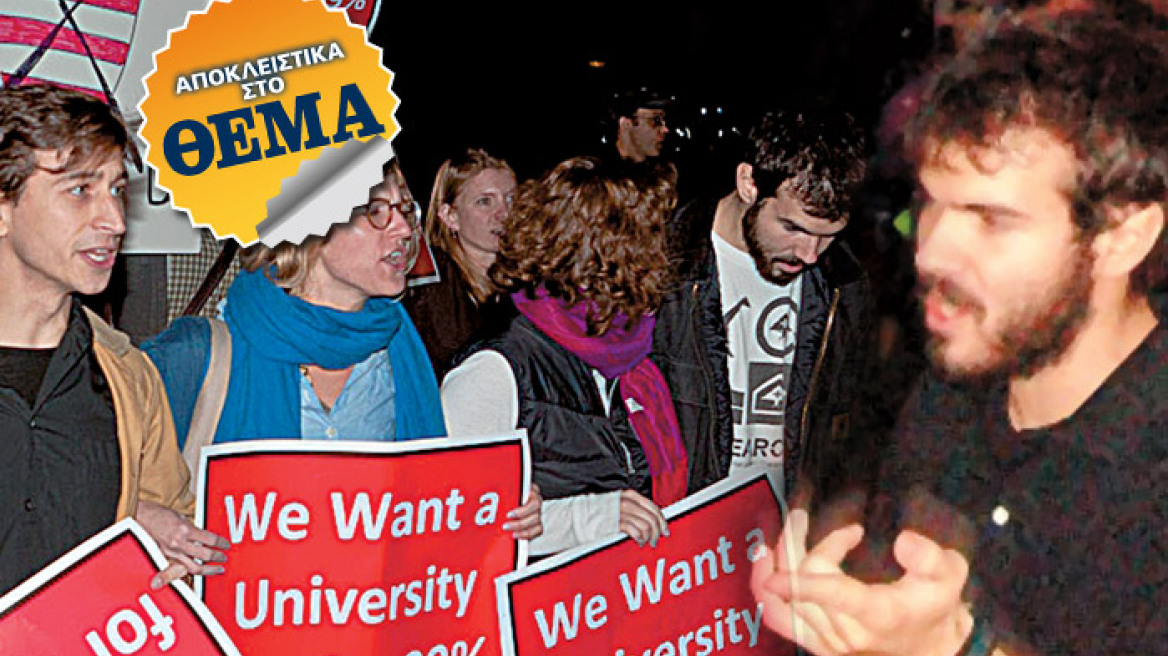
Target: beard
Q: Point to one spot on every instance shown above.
(766, 263)
(1033, 334)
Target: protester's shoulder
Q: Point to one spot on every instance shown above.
(485, 364)
(106, 336)
(123, 360)
(842, 268)
(1138, 401)
(938, 416)
(183, 332)
(937, 399)
(182, 350)
(688, 235)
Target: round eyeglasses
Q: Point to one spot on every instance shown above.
(380, 212)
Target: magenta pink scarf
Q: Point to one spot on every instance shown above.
(623, 353)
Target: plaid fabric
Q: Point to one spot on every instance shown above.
(185, 272)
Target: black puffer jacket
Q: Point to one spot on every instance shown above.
(835, 335)
(577, 447)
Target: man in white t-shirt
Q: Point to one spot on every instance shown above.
(769, 308)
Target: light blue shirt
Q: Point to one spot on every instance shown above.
(363, 411)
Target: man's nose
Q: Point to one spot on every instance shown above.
(401, 224)
(939, 237)
(807, 249)
(109, 214)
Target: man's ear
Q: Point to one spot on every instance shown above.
(1132, 233)
(623, 125)
(744, 183)
(7, 210)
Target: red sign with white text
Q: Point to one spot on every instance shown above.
(96, 601)
(688, 596)
(356, 548)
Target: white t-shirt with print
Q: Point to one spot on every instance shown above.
(762, 320)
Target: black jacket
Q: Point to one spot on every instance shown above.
(833, 344)
(576, 447)
(447, 316)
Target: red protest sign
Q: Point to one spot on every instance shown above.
(688, 596)
(356, 548)
(96, 601)
(361, 12)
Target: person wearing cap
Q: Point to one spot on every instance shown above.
(640, 125)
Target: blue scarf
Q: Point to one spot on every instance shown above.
(274, 332)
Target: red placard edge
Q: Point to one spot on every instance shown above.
(95, 543)
(715, 492)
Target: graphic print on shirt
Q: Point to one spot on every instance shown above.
(761, 321)
(763, 399)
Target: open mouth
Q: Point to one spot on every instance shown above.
(102, 258)
(399, 259)
(403, 256)
(943, 310)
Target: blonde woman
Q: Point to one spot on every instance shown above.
(471, 198)
(584, 261)
(321, 348)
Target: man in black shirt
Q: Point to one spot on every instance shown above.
(86, 436)
(1025, 499)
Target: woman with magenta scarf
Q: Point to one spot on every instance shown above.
(320, 346)
(583, 255)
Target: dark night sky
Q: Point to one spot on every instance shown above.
(516, 81)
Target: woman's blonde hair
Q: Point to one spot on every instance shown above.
(290, 263)
(452, 177)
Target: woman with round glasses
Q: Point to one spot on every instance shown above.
(320, 347)
(471, 197)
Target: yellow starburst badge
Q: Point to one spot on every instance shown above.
(258, 109)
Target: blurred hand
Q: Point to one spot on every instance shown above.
(807, 598)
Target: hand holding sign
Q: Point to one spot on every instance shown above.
(119, 614)
(641, 519)
(188, 547)
(526, 522)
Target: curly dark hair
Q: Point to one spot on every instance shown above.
(45, 117)
(821, 159)
(591, 233)
(1099, 88)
